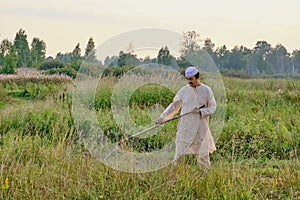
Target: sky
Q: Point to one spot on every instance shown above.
(64, 23)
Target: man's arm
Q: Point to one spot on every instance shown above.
(170, 111)
(211, 106)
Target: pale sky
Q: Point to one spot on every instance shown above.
(64, 23)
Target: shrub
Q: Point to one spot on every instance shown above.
(66, 70)
(235, 73)
(52, 64)
(9, 64)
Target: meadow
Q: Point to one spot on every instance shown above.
(41, 156)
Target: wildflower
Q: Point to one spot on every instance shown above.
(6, 185)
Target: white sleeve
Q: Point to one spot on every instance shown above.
(172, 109)
(211, 105)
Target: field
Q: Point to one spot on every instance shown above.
(41, 156)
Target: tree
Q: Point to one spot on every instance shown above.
(76, 57)
(76, 53)
(222, 56)
(263, 48)
(246, 53)
(64, 57)
(164, 57)
(189, 48)
(10, 62)
(209, 46)
(236, 59)
(279, 59)
(127, 59)
(149, 60)
(190, 43)
(113, 61)
(5, 48)
(296, 61)
(38, 52)
(90, 51)
(22, 48)
(107, 61)
(259, 57)
(51, 64)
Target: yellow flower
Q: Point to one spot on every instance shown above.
(6, 185)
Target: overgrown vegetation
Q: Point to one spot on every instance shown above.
(257, 157)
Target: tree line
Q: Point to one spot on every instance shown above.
(262, 59)
(18, 54)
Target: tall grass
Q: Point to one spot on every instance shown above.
(39, 171)
(262, 118)
(257, 157)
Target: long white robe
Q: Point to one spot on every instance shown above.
(193, 133)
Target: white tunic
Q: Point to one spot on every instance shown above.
(193, 133)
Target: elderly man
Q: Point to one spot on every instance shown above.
(193, 133)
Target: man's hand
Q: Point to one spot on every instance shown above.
(196, 111)
(159, 120)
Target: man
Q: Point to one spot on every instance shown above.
(193, 133)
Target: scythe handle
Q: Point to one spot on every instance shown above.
(144, 131)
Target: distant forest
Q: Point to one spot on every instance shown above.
(263, 59)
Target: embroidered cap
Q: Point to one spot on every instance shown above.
(191, 71)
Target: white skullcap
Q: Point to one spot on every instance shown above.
(191, 71)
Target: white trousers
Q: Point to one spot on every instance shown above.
(203, 160)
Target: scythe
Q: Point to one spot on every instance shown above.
(142, 132)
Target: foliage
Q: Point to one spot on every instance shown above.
(91, 69)
(126, 59)
(38, 51)
(209, 47)
(51, 64)
(5, 47)
(164, 57)
(76, 53)
(90, 51)
(108, 71)
(111, 61)
(66, 71)
(149, 95)
(221, 56)
(183, 63)
(22, 80)
(234, 73)
(254, 126)
(262, 60)
(64, 57)
(296, 60)
(76, 58)
(119, 71)
(236, 59)
(10, 62)
(22, 47)
(190, 43)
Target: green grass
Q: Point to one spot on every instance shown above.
(257, 153)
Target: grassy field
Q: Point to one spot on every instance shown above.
(257, 155)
